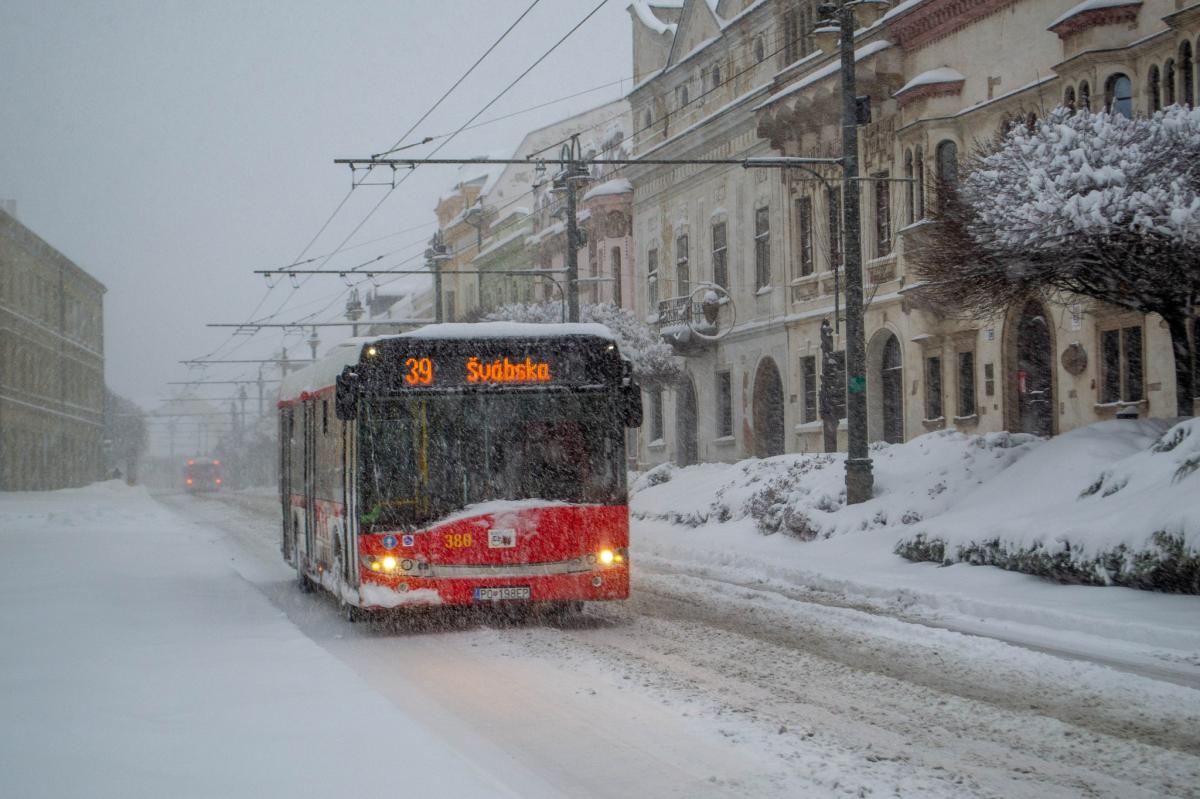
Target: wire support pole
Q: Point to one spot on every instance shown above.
(859, 477)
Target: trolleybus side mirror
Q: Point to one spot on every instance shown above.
(345, 404)
(631, 405)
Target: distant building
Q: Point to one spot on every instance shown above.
(51, 365)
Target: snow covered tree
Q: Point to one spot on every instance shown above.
(1095, 205)
(653, 360)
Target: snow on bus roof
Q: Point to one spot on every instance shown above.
(459, 330)
(324, 372)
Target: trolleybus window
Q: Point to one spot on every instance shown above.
(422, 459)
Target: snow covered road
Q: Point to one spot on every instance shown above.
(703, 687)
(157, 651)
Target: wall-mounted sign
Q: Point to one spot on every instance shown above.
(1074, 359)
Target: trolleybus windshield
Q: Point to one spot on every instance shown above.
(423, 458)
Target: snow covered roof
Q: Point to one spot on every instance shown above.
(324, 372)
(1091, 5)
(648, 18)
(461, 330)
(616, 186)
(931, 77)
(862, 53)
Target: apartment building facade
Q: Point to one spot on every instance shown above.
(942, 76)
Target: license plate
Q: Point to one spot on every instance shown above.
(501, 592)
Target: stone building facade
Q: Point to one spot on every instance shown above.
(502, 219)
(740, 78)
(51, 366)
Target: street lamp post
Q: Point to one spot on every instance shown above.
(573, 172)
(435, 253)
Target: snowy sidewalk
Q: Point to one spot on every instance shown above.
(136, 662)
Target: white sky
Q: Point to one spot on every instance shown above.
(171, 147)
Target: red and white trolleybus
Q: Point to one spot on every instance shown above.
(460, 464)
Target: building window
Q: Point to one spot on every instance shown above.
(910, 189)
(1153, 89)
(1118, 95)
(716, 75)
(652, 277)
(682, 95)
(762, 247)
(1186, 87)
(933, 388)
(648, 120)
(615, 262)
(1085, 96)
(724, 405)
(720, 256)
(919, 176)
(791, 36)
(947, 166)
(804, 235)
(834, 213)
(1069, 98)
(1121, 375)
(683, 272)
(1168, 80)
(760, 50)
(883, 215)
(808, 379)
(966, 384)
(656, 414)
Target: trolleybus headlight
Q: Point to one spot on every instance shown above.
(607, 556)
(385, 564)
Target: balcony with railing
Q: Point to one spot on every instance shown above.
(688, 325)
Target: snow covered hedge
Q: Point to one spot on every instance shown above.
(1133, 522)
(653, 359)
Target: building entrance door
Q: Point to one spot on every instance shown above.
(768, 410)
(687, 451)
(1032, 379)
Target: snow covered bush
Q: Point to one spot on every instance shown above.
(653, 359)
(1094, 205)
(1134, 522)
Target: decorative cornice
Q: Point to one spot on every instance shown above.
(927, 23)
(943, 89)
(1113, 15)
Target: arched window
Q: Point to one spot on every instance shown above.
(648, 120)
(1153, 89)
(760, 50)
(919, 167)
(716, 75)
(1069, 98)
(910, 189)
(1030, 121)
(1085, 96)
(683, 96)
(947, 167)
(1118, 95)
(1186, 86)
(1168, 81)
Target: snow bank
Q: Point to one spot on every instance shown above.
(805, 495)
(1112, 503)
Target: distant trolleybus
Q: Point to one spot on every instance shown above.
(460, 464)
